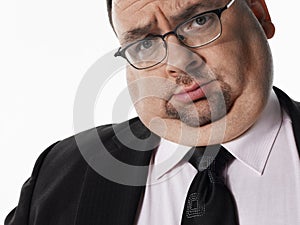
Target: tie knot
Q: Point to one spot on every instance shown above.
(214, 158)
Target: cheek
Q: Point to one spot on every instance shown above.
(149, 92)
(226, 62)
(150, 108)
(152, 83)
(242, 61)
(131, 84)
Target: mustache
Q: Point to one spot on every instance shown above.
(184, 79)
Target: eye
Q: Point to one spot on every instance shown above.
(144, 48)
(201, 20)
(200, 23)
(146, 44)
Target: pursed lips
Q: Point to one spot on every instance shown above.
(190, 93)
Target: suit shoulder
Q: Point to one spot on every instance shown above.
(74, 151)
(67, 153)
(60, 175)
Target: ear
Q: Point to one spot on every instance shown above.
(260, 10)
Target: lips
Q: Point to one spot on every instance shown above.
(190, 93)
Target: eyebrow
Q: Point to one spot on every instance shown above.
(190, 10)
(136, 33)
(139, 32)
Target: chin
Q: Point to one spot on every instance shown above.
(195, 116)
(202, 112)
(194, 121)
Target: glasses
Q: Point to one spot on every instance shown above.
(196, 32)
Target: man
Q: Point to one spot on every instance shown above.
(200, 74)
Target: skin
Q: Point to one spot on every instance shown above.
(234, 72)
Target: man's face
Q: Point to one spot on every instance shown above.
(226, 81)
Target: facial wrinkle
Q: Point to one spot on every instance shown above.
(189, 11)
(161, 17)
(119, 5)
(150, 2)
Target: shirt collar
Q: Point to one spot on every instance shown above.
(250, 148)
(167, 157)
(254, 155)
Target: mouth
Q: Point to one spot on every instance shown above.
(191, 93)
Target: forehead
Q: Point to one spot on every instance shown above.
(135, 4)
(132, 14)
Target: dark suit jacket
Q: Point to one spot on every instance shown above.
(64, 190)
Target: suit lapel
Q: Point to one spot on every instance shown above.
(107, 202)
(293, 110)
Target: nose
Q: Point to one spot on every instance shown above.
(181, 60)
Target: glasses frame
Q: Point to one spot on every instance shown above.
(218, 12)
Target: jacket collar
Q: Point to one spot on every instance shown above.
(293, 110)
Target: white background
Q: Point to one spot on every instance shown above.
(45, 49)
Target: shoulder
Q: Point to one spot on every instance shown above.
(62, 165)
(70, 157)
(75, 150)
(65, 153)
(55, 183)
(61, 171)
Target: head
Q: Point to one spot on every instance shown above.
(198, 95)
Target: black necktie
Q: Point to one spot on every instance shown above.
(209, 201)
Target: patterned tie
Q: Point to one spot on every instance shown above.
(209, 201)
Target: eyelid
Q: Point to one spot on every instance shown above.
(205, 15)
(126, 44)
(199, 13)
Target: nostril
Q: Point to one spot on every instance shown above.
(172, 71)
